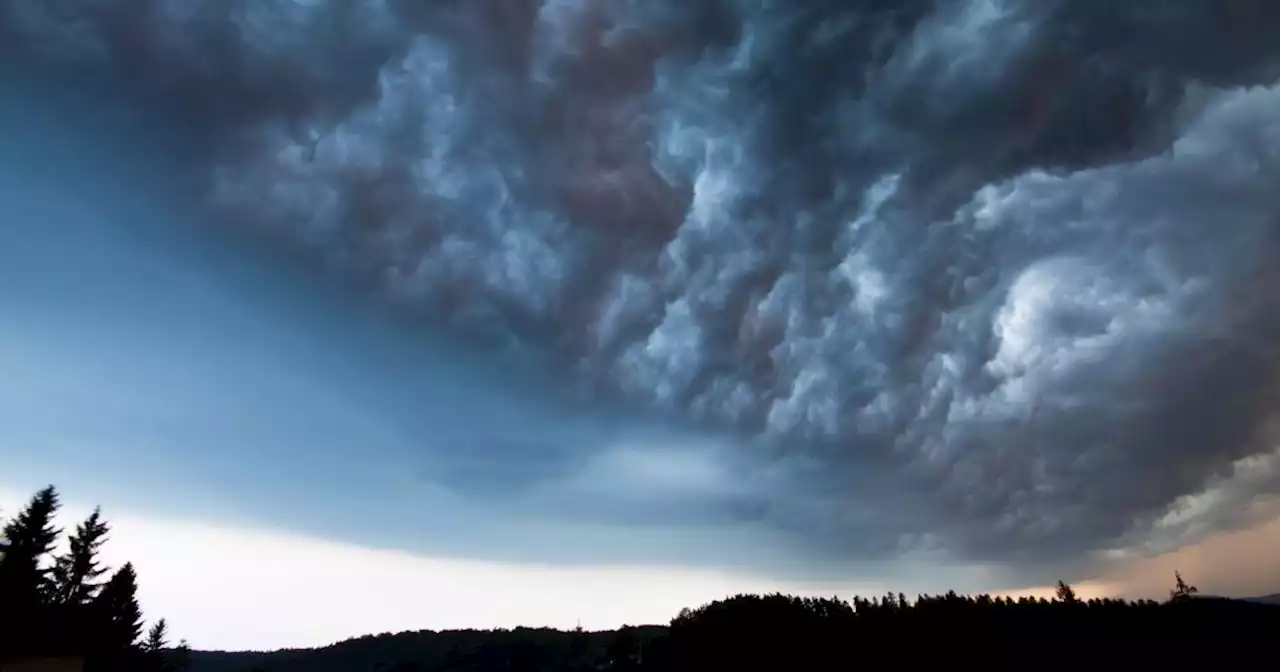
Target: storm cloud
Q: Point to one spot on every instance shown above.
(995, 279)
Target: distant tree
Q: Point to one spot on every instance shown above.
(179, 658)
(1065, 594)
(623, 651)
(578, 648)
(157, 638)
(1182, 590)
(156, 654)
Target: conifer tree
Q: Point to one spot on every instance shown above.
(23, 580)
(30, 536)
(75, 573)
(155, 657)
(157, 637)
(57, 606)
(117, 615)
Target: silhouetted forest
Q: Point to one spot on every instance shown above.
(57, 604)
(779, 632)
(68, 604)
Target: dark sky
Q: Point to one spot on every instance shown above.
(983, 280)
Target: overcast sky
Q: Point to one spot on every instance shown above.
(712, 296)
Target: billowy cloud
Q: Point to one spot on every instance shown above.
(992, 279)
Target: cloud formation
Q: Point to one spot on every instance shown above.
(991, 278)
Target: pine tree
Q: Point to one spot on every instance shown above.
(154, 645)
(30, 537)
(63, 609)
(116, 615)
(75, 573)
(74, 583)
(157, 637)
(24, 582)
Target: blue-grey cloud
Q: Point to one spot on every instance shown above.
(992, 277)
(147, 362)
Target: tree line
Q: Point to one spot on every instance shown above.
(62, 601)
(68, 603)
(781, 632)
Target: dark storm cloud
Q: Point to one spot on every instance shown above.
(993, 277)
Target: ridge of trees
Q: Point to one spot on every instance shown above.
(814, 634)
(68, 604)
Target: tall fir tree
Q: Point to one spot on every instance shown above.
(74, 584)
(30, 536)
(58, 607)
(24, 581)
(117, 617)
(75, 573)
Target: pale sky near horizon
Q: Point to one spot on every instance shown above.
(595, 310)
(228, 587)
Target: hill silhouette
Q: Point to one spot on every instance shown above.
(779, 632)
(1273, 598)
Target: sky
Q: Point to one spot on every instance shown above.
(624, 306)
